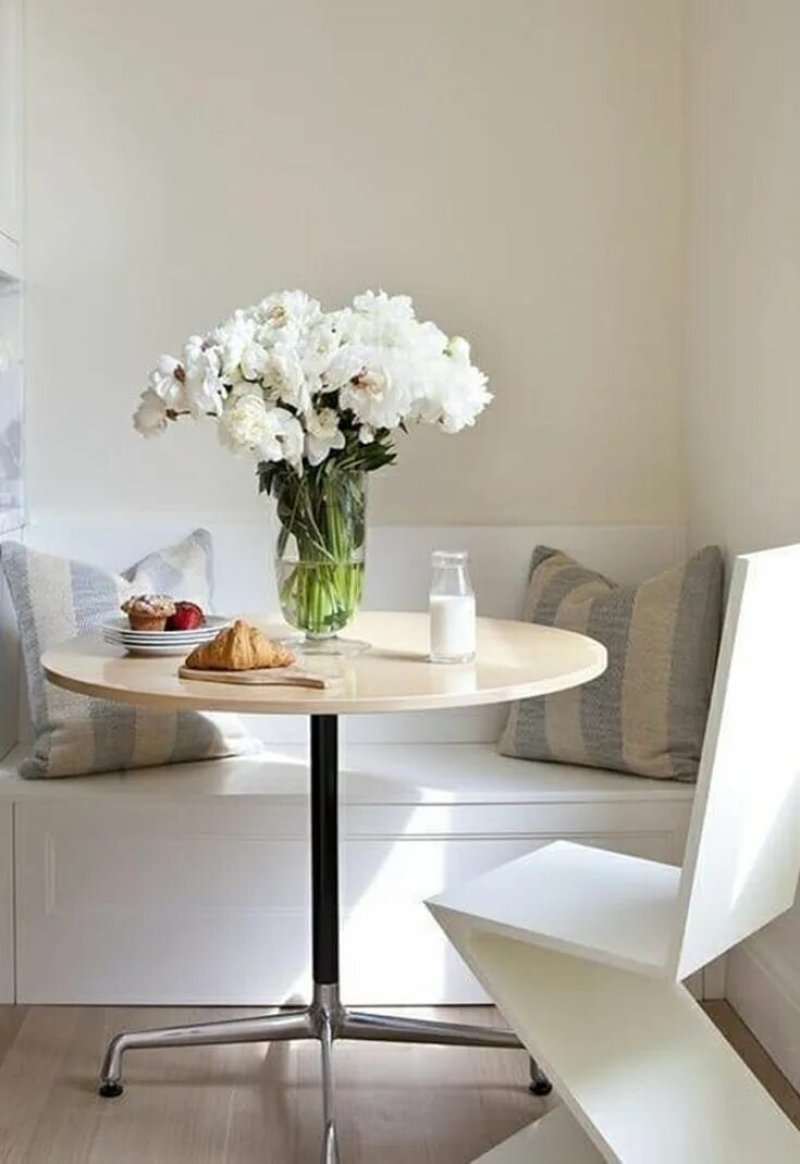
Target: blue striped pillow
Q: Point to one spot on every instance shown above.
(55, 598)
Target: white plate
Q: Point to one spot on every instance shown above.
(121, 629)
(155, 652)
(160, 639)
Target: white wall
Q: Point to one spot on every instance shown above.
(743, 402)
(515, 165)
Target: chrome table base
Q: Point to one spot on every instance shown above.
(326, 1019)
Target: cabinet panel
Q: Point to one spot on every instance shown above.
(192, 903)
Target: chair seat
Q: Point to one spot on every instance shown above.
(600, 905)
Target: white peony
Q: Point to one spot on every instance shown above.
(150, 418)
(284, 440)
(254, 361)
(232, 339)
(382, 319)
(205, 391)
(454, 396)
(343, 364)
(167, 381)
(383, 394)
(322, 435)
(244, 422)
(287, 377)
(288, 312)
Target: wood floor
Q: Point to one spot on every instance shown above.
(247, 1105)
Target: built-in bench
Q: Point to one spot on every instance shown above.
(189, 884)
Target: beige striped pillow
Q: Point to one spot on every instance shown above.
(647, 713)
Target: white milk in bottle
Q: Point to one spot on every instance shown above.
(452, 609)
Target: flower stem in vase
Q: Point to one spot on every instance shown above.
(320, 552)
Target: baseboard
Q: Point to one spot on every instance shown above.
(768, 1004)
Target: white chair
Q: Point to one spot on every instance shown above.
(585, 951)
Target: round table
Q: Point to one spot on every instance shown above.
(515, 660)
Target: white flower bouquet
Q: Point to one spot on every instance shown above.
(317, 397)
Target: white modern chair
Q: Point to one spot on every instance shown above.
(584, 951)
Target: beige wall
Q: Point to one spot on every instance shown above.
(515, 165)
(743, 402)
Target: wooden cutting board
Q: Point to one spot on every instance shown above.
(266, 677)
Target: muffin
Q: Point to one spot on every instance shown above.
(149, 612)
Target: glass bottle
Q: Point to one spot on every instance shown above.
(452, 609)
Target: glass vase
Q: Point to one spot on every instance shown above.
(320, 556)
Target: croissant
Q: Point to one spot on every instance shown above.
(240, 647)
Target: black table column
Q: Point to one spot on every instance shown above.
(325, 848)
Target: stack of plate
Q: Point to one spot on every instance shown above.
(137, 642)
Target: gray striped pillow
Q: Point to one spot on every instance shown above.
(56, 598)
(647, 713)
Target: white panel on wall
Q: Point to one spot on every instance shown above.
(10, 291)
(9, 671)
(11, 410)
(10, 120)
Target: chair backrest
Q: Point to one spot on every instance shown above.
(743, 852)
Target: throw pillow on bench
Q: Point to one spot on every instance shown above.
(55, 598)
(646, 714)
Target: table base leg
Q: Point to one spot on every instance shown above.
(262, 1029)
(325, 1020)
(391, 1029)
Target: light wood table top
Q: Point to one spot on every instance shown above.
(515, 660)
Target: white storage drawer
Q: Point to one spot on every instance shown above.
(122, 900)
(160, 904)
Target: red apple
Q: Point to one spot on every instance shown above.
(187, 616)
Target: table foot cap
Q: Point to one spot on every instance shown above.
(540, 1087)
(110, 1090)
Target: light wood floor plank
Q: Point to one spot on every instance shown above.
(252, 1105)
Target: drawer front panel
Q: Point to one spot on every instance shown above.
(208, 903)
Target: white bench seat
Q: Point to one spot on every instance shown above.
(371, 773)
(135, 887)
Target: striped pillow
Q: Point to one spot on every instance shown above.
(56, 598)
(647, 713)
